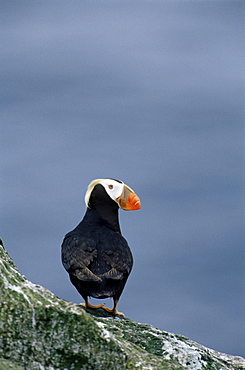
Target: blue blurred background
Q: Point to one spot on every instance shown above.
(150, 93)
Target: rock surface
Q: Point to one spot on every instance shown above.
(41, 331)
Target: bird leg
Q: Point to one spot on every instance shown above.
(89, 305)
(114, 310)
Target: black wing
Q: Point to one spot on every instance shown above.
(119, 258)
(77, 255)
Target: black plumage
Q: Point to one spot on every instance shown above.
(95, 254)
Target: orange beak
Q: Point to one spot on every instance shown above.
(128, 200)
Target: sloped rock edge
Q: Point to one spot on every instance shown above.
(42, 331)
(179, 349)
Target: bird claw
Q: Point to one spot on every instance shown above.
(120, 314)
(113, 311)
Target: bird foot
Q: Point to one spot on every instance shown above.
(89, 305)
(113, 311)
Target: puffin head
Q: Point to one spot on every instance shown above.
(117, 191)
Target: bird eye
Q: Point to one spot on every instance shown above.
(110, 186)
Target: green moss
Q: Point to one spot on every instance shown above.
(39, 331)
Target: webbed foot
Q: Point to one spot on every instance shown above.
(89, 305)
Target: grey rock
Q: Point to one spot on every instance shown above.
(41, 331)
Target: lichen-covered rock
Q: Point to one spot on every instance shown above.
(9, 365)
(41, 331)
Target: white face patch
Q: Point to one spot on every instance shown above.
(113, 188)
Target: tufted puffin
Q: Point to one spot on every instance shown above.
(95, 254)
